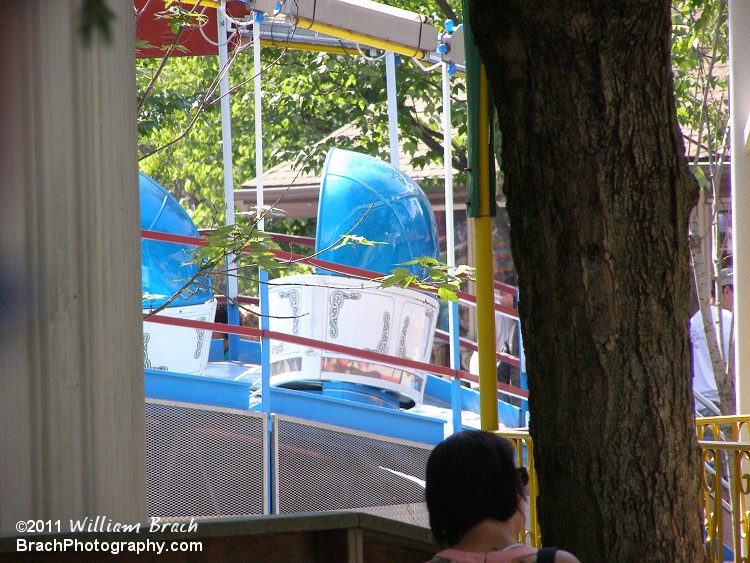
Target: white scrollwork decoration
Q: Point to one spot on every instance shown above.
(199, 344)
(383, 344)
(402, 339)
(293, 296)
(146, 361)
(337, 302)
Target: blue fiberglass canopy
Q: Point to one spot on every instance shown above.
(365, 196)
(164, 265)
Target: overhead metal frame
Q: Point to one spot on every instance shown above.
(276, 31)
(362, 21)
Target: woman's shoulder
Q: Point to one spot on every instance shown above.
(516, 554)
(565, 557)
(551, 555)
(519, 554)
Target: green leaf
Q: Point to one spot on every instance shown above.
(447, 294)
(700, 176)
(354, 240)
(388, 281)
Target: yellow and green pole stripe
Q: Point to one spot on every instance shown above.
(481, 208)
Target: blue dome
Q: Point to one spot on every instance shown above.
(163, 265)
(365, 196)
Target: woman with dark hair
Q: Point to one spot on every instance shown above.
(476, 498)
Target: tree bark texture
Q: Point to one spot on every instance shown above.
(599, 195)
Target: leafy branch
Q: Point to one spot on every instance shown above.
(433, 276)
(247, 247)
(242, 242)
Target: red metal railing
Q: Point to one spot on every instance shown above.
(290, 257)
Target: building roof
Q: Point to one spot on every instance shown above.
(296, 193)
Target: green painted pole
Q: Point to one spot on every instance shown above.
(481, 208)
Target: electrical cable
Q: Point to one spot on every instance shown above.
(425, 68)
(238, 23)
(210, 41)
(369, 58)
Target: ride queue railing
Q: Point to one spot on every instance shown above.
(290, 257)
(725, 484)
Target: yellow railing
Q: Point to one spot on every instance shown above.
(525, 454)
(725, 451)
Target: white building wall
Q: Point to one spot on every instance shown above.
(739, 84)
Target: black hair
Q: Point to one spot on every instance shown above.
(221, 312)
(471, 476)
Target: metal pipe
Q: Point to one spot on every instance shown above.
(390, 77)
(450, 248)
(233, 312)
(480, 207)
(484, 264)
(263, 275)
(362, 39)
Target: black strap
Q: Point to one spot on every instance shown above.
(546, 555)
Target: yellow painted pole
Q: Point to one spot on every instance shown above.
(302, 46)
(484, 264)
(363, 39)
(206, 3)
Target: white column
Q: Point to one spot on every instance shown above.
(450, 246)
(71, 346)
(739, 83)
(258, 97)
(233, 312)
(390, 77)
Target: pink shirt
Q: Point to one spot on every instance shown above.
(499, 556)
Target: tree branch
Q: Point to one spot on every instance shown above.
(447, 10)
(433, 140)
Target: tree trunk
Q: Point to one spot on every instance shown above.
(599, 194)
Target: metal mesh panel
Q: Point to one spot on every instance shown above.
(322, 467)
(203, 461)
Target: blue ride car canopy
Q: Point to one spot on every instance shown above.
(164, 265)
(365, 196)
